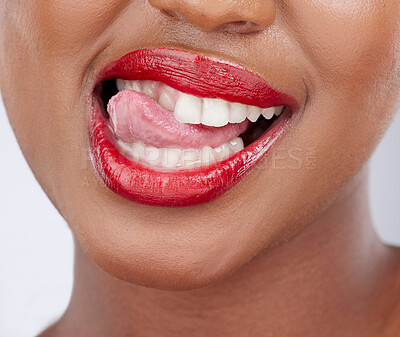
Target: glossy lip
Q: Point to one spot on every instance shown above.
(197, 75)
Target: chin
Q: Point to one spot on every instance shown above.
(166, 264)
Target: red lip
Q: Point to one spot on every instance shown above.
(197, 75)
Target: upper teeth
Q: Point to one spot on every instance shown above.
(195, 110)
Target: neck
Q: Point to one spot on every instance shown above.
(330, 277)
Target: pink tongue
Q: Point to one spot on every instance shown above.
(135, 116)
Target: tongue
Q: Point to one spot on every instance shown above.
(138, 117)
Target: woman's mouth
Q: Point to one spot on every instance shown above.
(172, 128)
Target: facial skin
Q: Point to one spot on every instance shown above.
(339, 59)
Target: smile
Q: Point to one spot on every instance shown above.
(173, 128)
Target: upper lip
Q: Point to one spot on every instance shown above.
(198, 75)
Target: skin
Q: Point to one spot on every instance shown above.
(290, 251)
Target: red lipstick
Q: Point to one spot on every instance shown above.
(197, 75)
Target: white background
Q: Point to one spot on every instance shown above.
(36, 245)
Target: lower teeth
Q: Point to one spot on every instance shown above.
(176, 158)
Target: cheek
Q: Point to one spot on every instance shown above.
(72, 24)
(349, 43)
(353, 88)
(42, 66)
(352, 49)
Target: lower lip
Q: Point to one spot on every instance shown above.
(144, 185)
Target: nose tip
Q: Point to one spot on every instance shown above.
(236, 16)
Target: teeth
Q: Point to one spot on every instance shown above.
(188, 109)
(194, 110)
(128, 85)
(253, 113)
(237, 144)
(215, 112)
(207, 155)
(121, 85)
(279, 110)
(135, 86)
(178, 159)
(124, 147)
(171, 157)
(148, 90)
(223, 152)
(138, 151)
(237, 113)
(191, 158)
(166, 102)
(268, 113)
(153, 155)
